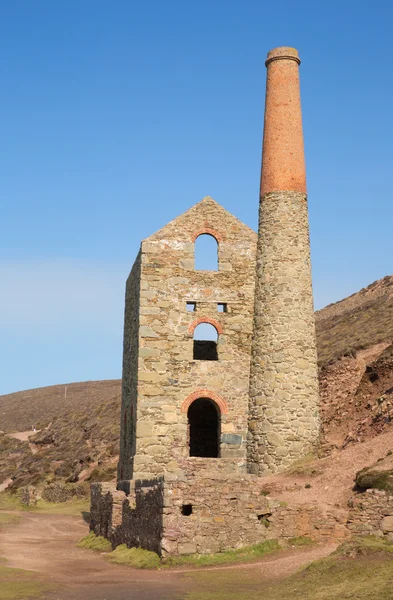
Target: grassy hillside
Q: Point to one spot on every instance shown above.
(359, 321)
(80, 443)
(21, 410)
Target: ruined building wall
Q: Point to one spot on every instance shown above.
(130, 372)
(205, 513)
(169, 379)
(283, 420)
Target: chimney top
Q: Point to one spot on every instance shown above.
(283, 53)
(283, 167)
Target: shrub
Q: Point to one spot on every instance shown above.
(134, 557)
(95, 542)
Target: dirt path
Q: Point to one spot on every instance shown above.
(23, 436)
(46, 543)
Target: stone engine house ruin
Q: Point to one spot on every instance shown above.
(203, 420)
(181, 408)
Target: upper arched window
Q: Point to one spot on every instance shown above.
(205, 342)
(206, 253)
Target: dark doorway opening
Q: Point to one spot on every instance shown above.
(204, 428)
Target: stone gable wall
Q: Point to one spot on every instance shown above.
(167, 373)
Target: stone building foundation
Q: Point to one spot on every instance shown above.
(203, 515)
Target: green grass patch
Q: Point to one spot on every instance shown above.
(10, 502)
(143, 559)
(71, 507)
(364, 546)
(95, 542)
(8, 518)
(246, 554)
(361, 569)
(306, 466)
(17, 584)
(134, 557)
(301, 540)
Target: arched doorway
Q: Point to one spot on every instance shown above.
(204, 428)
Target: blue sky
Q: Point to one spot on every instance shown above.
(118, 116)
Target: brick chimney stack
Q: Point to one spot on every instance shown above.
(283, 411)
(283, 166)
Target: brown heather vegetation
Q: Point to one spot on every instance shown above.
(359, 321)
(78, 445)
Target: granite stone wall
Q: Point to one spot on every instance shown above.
(204, 513)
(283, 410)
(371, 513)
(134, 520)
(167, 375)
(130, 371)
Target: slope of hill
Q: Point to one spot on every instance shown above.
(357, 322)
(78, 440)
(79, 422)
(23, 410)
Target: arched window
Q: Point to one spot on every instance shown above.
(204, 425)
(205, 342)
(206, 253)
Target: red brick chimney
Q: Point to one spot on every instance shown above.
(283, 166)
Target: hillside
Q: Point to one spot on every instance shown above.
(360, 321)
(23, 410)
(78, 437)
(79, 422)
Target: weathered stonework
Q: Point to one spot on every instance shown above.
(130, 371)
(283, 414)
(204, 513)
(159, 372)
(200, 420)
(371, 513)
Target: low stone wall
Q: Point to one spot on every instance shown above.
(206, 514)
(134, 519)
(203, 514)
(371, 513)
(141, 523)
(209, 514)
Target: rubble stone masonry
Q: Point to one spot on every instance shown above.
(160, 374)
(283, 415)
(203, 513)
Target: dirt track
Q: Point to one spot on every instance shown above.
(46, 543)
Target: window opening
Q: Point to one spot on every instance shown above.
(205, 342)
(222, 307)
(204, 428)
(186, 510)
(191, 306)
(206, 253)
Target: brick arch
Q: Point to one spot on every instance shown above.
(203, 393)
(209, 231)
(192, 326)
